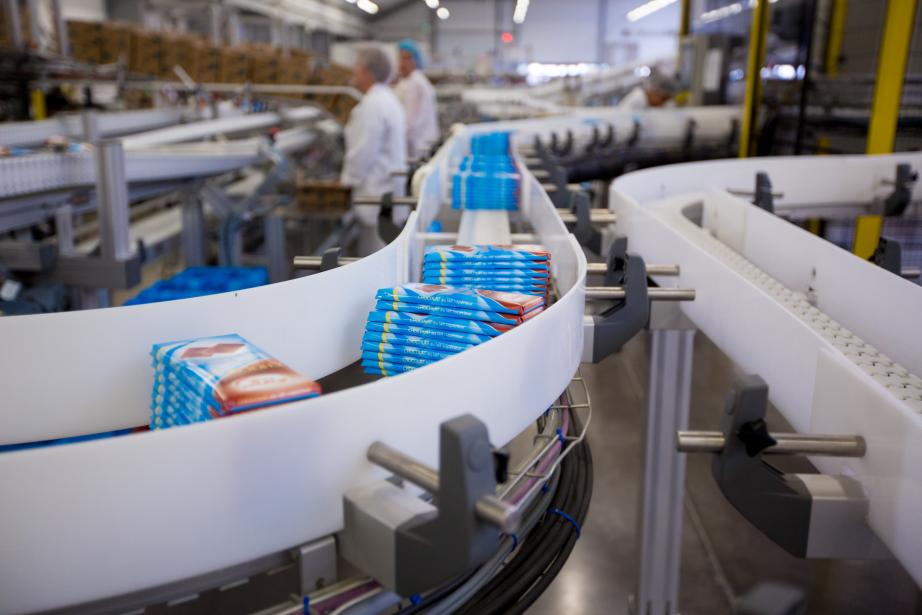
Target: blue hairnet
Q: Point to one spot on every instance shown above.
(410, 46)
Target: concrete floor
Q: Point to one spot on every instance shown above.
(723, 556)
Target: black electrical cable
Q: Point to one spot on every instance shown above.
(542, 540)
(524, 579)
(549, 545)
(535, 591)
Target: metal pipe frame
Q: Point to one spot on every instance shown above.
(377, 200)
(614, 293)
(787, 444)
(315, 262)
(602, 268)
(488, 508)
(112, 192)
(596, 216)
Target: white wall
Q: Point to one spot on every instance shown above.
(86, 10)
(555, 31)
(655, 36)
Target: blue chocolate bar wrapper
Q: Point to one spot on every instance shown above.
(434, 295)
(383, 368)
(426, 332)
(400, 359)
(410, 351)
(430, 321)
(486, 253)
(478, 267)
(431, 343)
(456, 313)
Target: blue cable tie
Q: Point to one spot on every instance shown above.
(515, 541)
(307, 605)
(416, 599)
(544, 488)
(560, 436)
(573, 522)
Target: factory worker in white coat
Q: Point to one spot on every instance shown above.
(376, 143)
(417, 96)
(656, 91)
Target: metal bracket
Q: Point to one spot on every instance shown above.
(764, 198)
(585, 231)
(889, 255)
(615, 326)
(411, 546)
(690, 128)
(895, 204)
(808, 515)
(562, 150)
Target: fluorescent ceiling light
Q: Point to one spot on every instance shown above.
(367, 5)
(721, 13)
(521, 10)
(443, 13)
(432, 4)
(648, 9)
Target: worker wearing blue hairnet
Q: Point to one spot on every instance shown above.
(417, 96)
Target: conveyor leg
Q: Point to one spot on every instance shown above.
(277, 261)
(664, 470)
(317, 562)
(193, 229)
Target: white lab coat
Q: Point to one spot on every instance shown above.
(417, 96)
(635, 100)
(376, 148)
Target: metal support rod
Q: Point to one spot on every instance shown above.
(376, 200)
(276, 246)
(596, 216)
(60, 27)
(602, 268)
(488, 508)
(911, 272)
(89, 121)
(314, 262)
(751, 193)
(193, 229)
(13, 24)
(112, 199)
(788, 444)
(602, 293)
(541, 174)
(668, 402)
(64, 229)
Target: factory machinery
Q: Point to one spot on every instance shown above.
(119, 523)
(119, 166)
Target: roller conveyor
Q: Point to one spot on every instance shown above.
(228, 465)
(782, 303)
(834, 337)
(159, 155)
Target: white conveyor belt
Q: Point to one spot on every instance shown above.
(836, 338)
(110, 124)
(85, 521)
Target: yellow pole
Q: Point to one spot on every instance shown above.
(836, 32)
(891, 68)
(757, 34)
(38, 105)
(885, 110)
(685, 23)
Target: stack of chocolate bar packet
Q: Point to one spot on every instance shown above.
(417, 324)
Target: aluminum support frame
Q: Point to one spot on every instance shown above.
(277, 261)
(669, 393)
(112, 193)
(193, 228)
